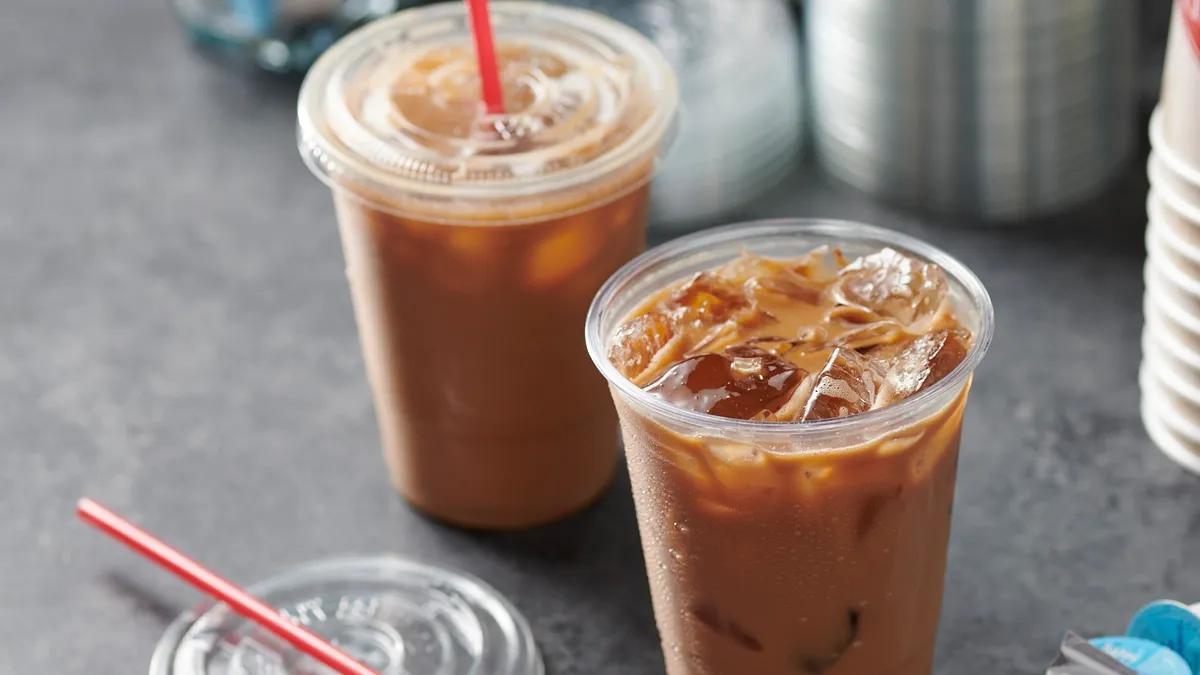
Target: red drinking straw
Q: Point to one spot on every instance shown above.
(485, 52)
(197, 575)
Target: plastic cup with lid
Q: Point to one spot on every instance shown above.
(474, 241)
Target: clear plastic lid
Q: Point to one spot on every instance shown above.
(397, 616)
(392, 112)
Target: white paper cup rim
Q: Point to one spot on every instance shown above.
(1164, 302)
(1158, 249)
(1172, 382)
(1162, 188)
(1167, 235)
(1156, 316)
(1152, 409)
(1170, 158)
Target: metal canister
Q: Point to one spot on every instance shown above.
(995, 109)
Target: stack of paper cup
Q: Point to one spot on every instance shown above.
(1170, 377)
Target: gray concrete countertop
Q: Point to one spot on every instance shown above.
(176, 339)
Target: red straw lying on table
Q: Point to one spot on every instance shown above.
(485, 53)
(197, 575)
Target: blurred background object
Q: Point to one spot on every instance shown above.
(281, 36)
(730, 147)
(990, 109)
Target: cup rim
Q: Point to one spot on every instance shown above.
(1161, 315)
(1161, 431)
(1156, 350)
(1161, 190)
(1167, 384)
(1168, 236)
(1177, 164)
(597, 343)
(1164, 298)
(1158, 255)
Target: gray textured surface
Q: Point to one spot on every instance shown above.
(176, 339)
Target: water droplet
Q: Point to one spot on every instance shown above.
(675, 554)
(683, 529)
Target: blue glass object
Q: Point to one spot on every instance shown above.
(281, 36)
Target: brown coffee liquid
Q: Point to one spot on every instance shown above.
(490, 410)
(795, 560)
(469, 310)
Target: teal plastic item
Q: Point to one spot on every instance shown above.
(1143, 656)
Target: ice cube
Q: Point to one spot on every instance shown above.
(761, 276)
(923, 362)
(892, 284)
(637, 341)
(878, 334)
(821, 264)
(738, 387)
(706, 300)
(770, 343)
(561, 255)
(790, 286)
(847, 385)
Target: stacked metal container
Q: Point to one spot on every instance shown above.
(996, 109)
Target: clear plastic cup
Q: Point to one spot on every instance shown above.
(773, 548)
(474, 242)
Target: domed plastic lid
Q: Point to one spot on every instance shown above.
(397, 616)
(393, 110)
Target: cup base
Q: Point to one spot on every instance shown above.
(490, 523)
(1169, 442)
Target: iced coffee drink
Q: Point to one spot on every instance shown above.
(791, 396)
(474, 242)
